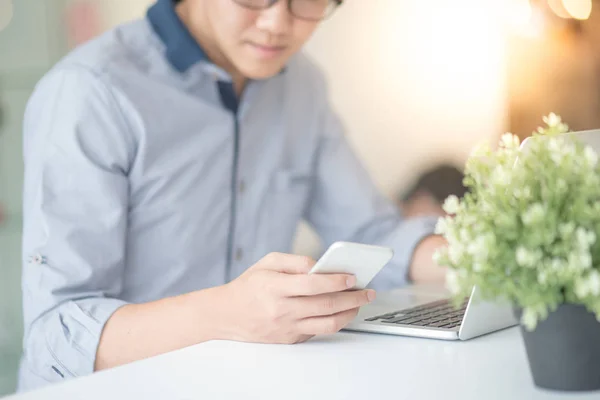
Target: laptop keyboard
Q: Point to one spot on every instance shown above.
(439, 314)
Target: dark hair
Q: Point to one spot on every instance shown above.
(440, 181)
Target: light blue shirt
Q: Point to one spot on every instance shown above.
(146, 178)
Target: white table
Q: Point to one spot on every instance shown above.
(342, 366)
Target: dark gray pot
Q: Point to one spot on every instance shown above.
(564, 350)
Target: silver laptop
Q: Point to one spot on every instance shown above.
(427, 311)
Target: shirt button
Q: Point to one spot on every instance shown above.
(239, 254)
(38, 259)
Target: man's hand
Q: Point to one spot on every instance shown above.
(423, 269)
(276, 301)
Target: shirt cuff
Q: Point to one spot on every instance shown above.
(404, 241)
(70, 336)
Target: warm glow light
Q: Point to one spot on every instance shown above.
(558, 8)
(578, 9)
(456, 54)
(523, 18)
(518, 12)
(6, 13)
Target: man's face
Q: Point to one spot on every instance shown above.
(255, 43)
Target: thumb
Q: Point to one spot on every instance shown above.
(286, 263)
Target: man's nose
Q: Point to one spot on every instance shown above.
(276, 20)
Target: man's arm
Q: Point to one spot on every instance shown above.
(77, 152)
(422, 267)
(138, 331)
(274, 301)
(346, 205)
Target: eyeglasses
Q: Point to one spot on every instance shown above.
(310, 10)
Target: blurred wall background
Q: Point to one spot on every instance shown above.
(555, 67)
(415, 82)
(31, 39)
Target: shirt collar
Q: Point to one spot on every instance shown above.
(183, 50)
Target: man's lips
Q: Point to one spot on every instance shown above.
(267, 51)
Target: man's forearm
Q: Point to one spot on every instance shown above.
(423, 269)
(139, 331)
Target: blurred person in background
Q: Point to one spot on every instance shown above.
(427, 194)
(167, 165)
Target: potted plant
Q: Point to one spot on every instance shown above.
(528, 232)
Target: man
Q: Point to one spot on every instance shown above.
(165, 158)
(430, 190)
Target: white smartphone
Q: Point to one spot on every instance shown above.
(361, 260)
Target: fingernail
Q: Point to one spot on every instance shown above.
(351, 281)
(371, 295)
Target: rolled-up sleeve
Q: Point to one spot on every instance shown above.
(77, 152)
(346, 205)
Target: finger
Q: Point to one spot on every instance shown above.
(286, 263)
(330, 304)
(315, 284)
(326, 325)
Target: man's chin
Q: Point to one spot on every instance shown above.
(261, 72)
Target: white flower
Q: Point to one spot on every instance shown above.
(500, 176)
(556, 264)
(585, 238)
(579, 261)
(556, 157)
(542, 277)
(593, 282)
(441, 227)
(523, 193)
(528, 258)
(552, 120)
(566, 229)
(590, 156)
(529, 318)
(534, 214)
(455, 253)
(591, 237)
(554, 145)
(452, 204)
(581, 288)
(478, 248)
(568, 149)
(486, 206)
(522, 256)
(509, 141)
(464, 235)
(585, 259)
(452, 282)
(589, 285)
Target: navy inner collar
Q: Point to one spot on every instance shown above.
(183, 50)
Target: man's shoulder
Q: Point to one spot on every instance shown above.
(117, 52)
(97, 73)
